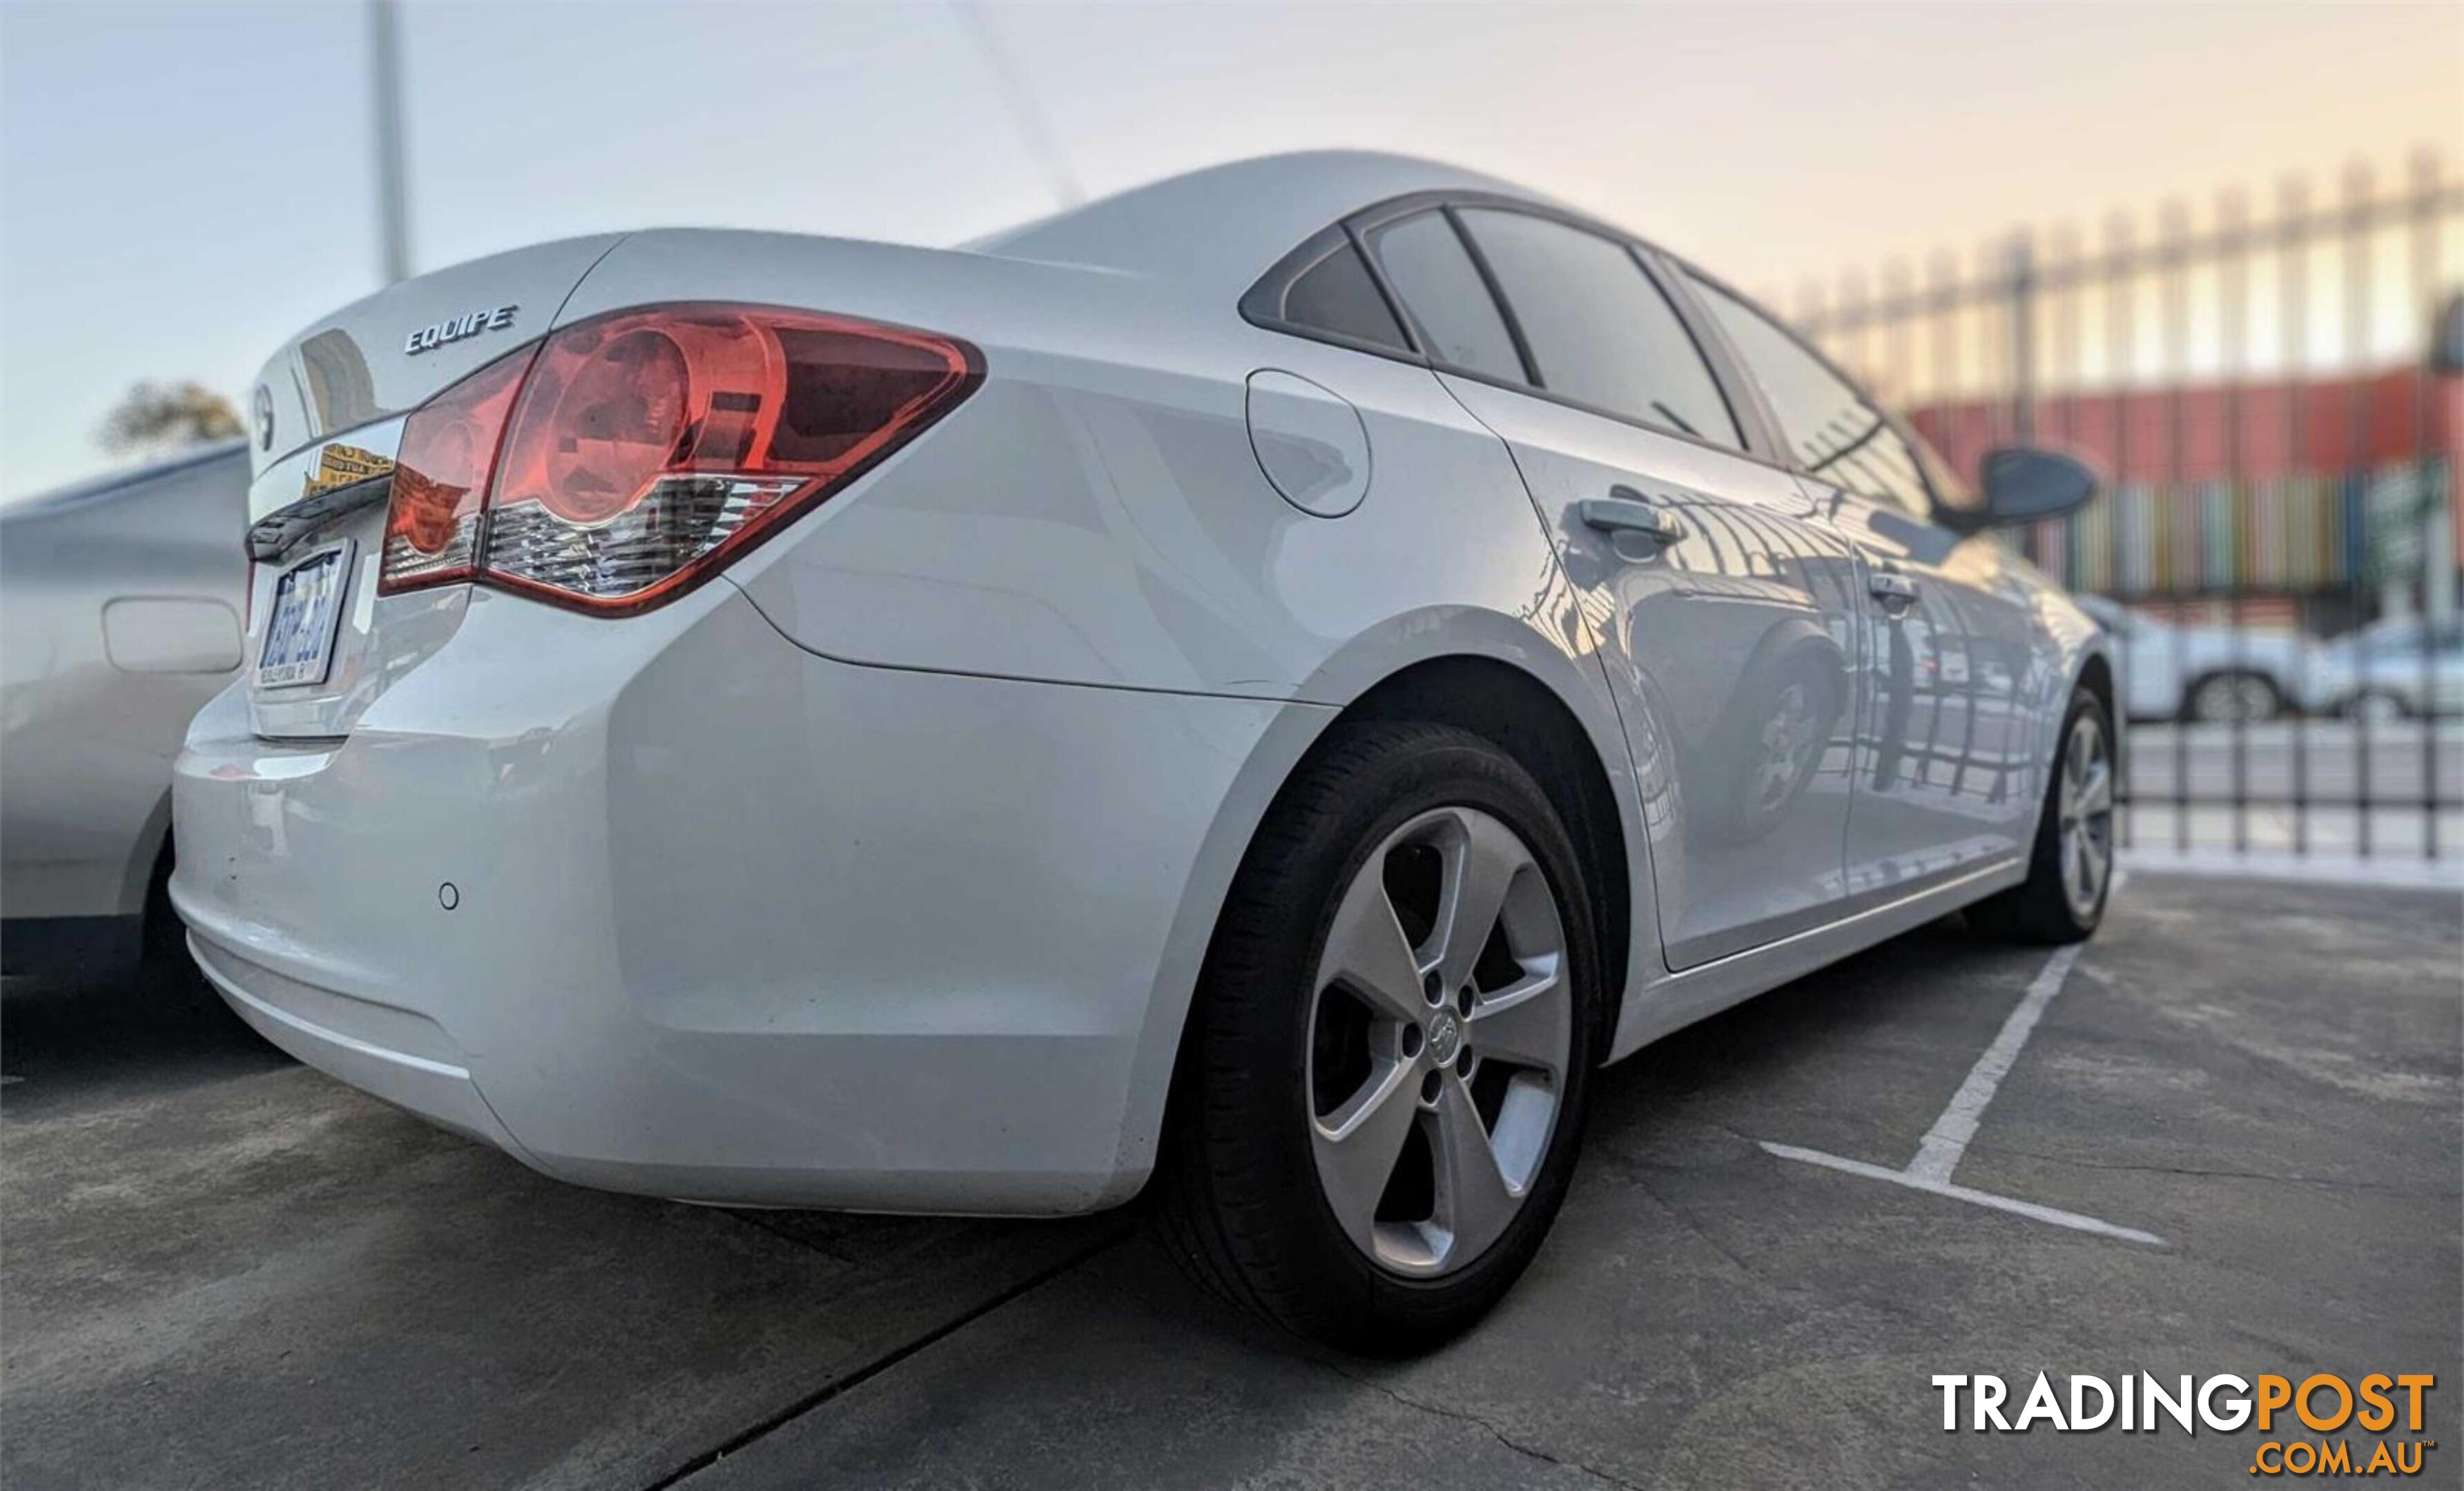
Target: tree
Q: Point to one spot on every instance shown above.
(156, 418)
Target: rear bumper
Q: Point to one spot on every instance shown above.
(728, 921)
(417, 1071)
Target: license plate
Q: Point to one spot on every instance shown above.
(307, 609)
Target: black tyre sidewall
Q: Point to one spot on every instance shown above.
(1314, 1277)
(2037, 910)
(2050, 832)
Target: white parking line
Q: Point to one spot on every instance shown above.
(2000, 1203)
(1946, 1142)
(1939, 1151)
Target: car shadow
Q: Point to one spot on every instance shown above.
(69, 1039)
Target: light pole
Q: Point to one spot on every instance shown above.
(384, 94)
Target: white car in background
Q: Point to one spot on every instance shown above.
(120, 604)
(1263, 682)
(2202, 673)
(2402, 667)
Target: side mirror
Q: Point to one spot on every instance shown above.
(2025, 485)
(2447, 339)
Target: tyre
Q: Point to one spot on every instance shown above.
(164, 944)
(2071, 870)
(2224, 698)
(1382, 1085)
(2377, 707)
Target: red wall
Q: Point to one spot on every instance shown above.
(2131, 436)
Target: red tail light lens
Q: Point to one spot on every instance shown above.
(440, 478)
(645, 450)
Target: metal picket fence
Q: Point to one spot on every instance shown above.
(2276, 405)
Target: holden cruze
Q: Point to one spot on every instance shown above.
(1260, 683)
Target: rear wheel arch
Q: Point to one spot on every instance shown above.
(2096, 676)
(1577, 760)
(1524, 718)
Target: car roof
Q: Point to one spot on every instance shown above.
(1224, 226)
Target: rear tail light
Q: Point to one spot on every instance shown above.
(440, 478)
(629, 457)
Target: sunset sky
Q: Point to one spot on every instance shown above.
(182, 186)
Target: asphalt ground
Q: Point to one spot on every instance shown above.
(217, 1268)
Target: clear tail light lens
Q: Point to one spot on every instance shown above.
(642, 450)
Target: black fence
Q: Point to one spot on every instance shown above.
(2276, 405)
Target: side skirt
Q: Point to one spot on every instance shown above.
(1673, 1001)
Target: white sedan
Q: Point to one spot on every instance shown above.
(119, 610)
(2204, 673)
(2402, 667)
(1262, 683)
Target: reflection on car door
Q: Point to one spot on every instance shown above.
(1951, 753)
(1727, 650)
(1963, 686)
(1722, 614)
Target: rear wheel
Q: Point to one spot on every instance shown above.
(2071, 870)
(1383, 1083)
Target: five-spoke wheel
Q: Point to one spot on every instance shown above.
(2085, 803)
(1438, 1040)
(1380, 1094)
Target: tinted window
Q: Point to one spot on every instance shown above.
(1336, 295)
(1839, 435)
(1429, 269)
(1599, 330)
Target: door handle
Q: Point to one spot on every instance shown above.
(1896, 592)
(1624, 512)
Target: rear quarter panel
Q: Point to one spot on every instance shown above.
(1095, 514)
(87, 730)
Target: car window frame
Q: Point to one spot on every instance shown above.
(1262, 304)
(1651, 278)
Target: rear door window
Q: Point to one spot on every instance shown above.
(1599, 330)
(1441, 290)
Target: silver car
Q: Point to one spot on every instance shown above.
(122, 606)
(2210, 674)
(2399, 669)
(1334, 646)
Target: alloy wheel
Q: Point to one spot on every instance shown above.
(2231, 697)
(1440, 1031)
(2085, 807)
